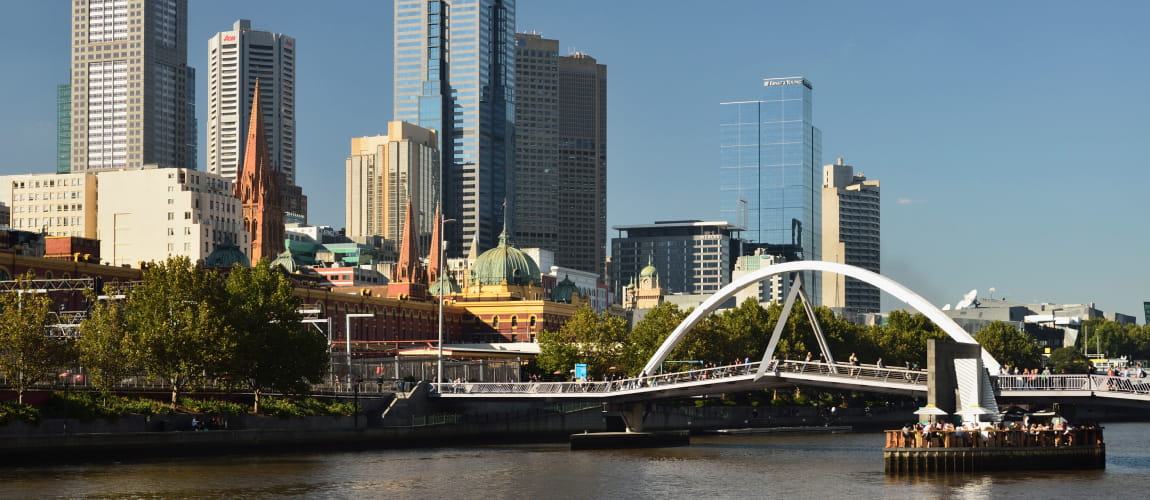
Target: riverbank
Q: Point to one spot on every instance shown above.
(137, 437)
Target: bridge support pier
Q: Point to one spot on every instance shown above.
(633, 414)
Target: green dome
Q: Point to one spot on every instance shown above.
(649, 271)
(450, 287)
(286, 260)
(565, 291)
(504, 264)
(227, 255)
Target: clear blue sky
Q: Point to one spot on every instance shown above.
(1010, 137)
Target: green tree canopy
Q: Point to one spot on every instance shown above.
(28, 354)
(179, 323)
(272, 349)
(105, 345)
(903, 338)
(1069, 360)
(648, 334)
(1010, 346)
(594, 339)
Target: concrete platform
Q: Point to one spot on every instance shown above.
(623, 440)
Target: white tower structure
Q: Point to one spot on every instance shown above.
(236, 59)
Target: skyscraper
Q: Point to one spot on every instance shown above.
(384, 173)
(455, 74)
(236, 59)
(769, 181)
(132, 90)
(851, 235)
(63, 129)
(560, 181)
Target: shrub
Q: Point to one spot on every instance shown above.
(212, 407)
(11, 411)
(88, 406)
(305, 407)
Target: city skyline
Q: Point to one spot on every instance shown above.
(1006, 136)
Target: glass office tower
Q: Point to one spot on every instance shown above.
(769, 169)
(455, 73)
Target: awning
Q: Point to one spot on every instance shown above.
(931, 410)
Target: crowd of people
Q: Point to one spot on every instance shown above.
(974, 434)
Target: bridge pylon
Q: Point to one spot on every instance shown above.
(797, 292)
(633, 413)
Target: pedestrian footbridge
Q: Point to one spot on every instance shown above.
(787, 373)
(724, 379)
(966, 377)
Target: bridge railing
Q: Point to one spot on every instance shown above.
(594, 387)
(1116, 383)
(1084, 383)
(1044, 382)
(846, 370)
(693, 376)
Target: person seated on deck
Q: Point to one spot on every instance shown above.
(987, 435)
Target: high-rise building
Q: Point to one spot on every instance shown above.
(560, 181)
(132, 91)
(769, 154)
(63, 129)
(455, 74)
(851, 224)
(384, 172)
(692, 257)
(236, 59)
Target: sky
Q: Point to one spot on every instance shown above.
(1009, 137)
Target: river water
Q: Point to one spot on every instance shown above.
(763, 466)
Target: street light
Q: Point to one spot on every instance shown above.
(347, 339)
(442, 253)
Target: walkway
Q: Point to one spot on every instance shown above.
(723, 379)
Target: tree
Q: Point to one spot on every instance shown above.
(178, 323)
(1010, 346)
(27, 353)
(272, 349)
(648, 334)
(105, 345)
(587, 337)
(1069, 360)
(903, 338)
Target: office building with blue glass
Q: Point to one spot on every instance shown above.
(455, 74)
(770, 170)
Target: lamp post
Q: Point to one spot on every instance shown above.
(442, 253)
(347, 339)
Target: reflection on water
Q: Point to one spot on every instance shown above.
(792, 466)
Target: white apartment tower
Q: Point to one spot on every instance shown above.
(851, 220)
(236, 59)
(132, 92)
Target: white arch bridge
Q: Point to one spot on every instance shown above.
(977, 379)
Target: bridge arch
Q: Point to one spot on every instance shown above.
(881, 282)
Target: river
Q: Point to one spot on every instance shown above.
(763, 466)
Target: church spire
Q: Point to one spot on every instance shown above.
(257, 189)
(433, 255)
(407, 269)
